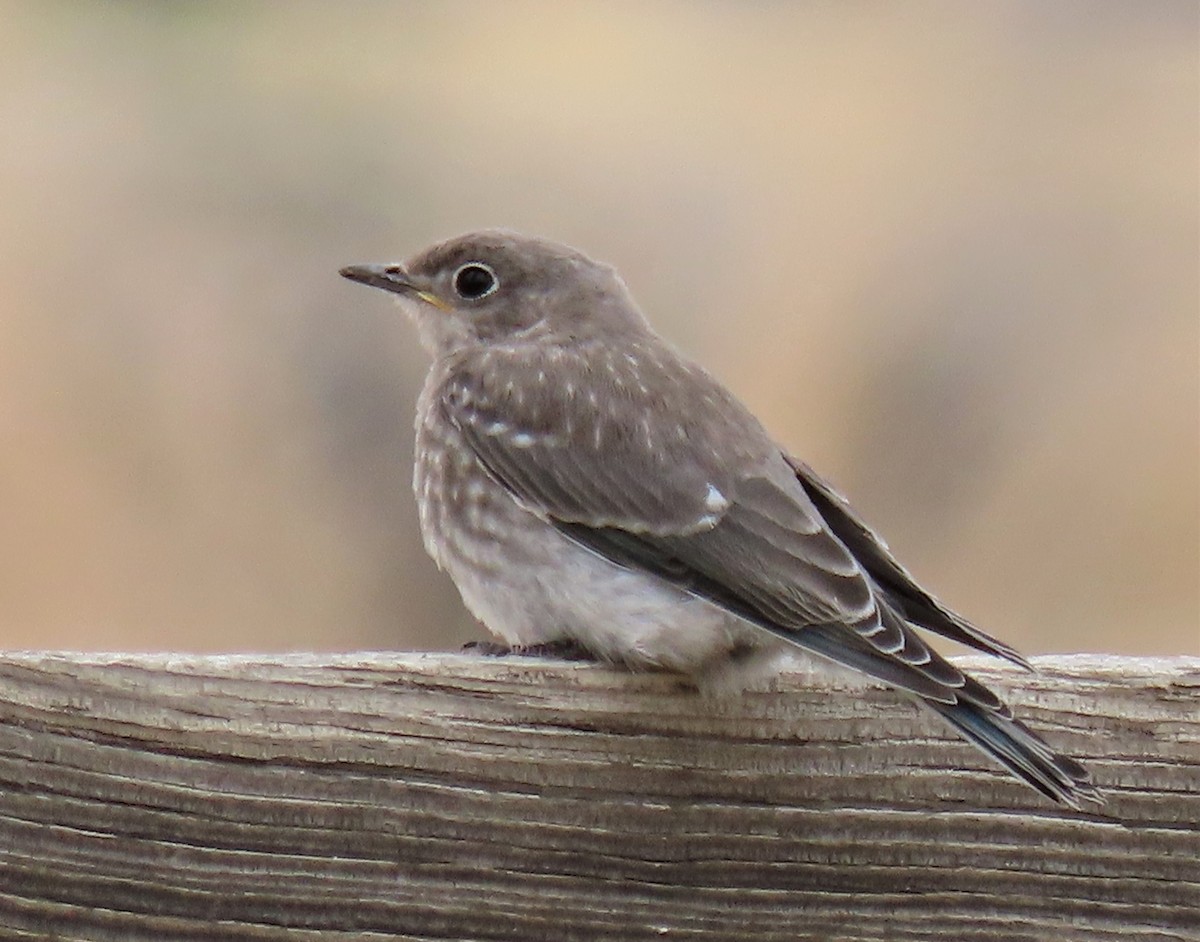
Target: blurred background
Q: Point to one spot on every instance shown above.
(947, 251)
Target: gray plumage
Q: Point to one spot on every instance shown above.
(582, 481)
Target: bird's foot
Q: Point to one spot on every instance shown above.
(563, 649)
(487, 648)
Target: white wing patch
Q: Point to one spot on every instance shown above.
(716, 504)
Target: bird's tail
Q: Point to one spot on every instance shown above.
(966, 704)
(1015, 746)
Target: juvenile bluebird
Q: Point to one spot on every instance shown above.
(586, 485)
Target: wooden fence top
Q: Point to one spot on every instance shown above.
(437, 796)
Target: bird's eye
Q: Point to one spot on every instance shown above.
(475, 280)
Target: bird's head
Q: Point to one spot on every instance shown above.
(497, 287)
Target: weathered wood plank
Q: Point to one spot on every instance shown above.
(451, 797)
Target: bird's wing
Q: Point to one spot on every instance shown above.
(772, 562)
(715, 510)
(913, 602)
(584, 443)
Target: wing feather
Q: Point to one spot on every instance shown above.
(893, 580)
(570, 453)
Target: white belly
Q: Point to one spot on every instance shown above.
(616, 614)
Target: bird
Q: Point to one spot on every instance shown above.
(589, 488)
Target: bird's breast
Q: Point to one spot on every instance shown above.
(465, 515)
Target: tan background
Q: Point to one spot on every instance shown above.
(948, 251)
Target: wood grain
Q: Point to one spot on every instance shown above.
(407, 796)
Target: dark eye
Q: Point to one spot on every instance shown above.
(475, 280)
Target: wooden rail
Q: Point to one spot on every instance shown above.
(408, 796)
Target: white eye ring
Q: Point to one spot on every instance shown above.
(480, 281)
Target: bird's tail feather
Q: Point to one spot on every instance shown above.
(972, 709)
(1011, 743)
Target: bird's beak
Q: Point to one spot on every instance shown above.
(390, 278)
